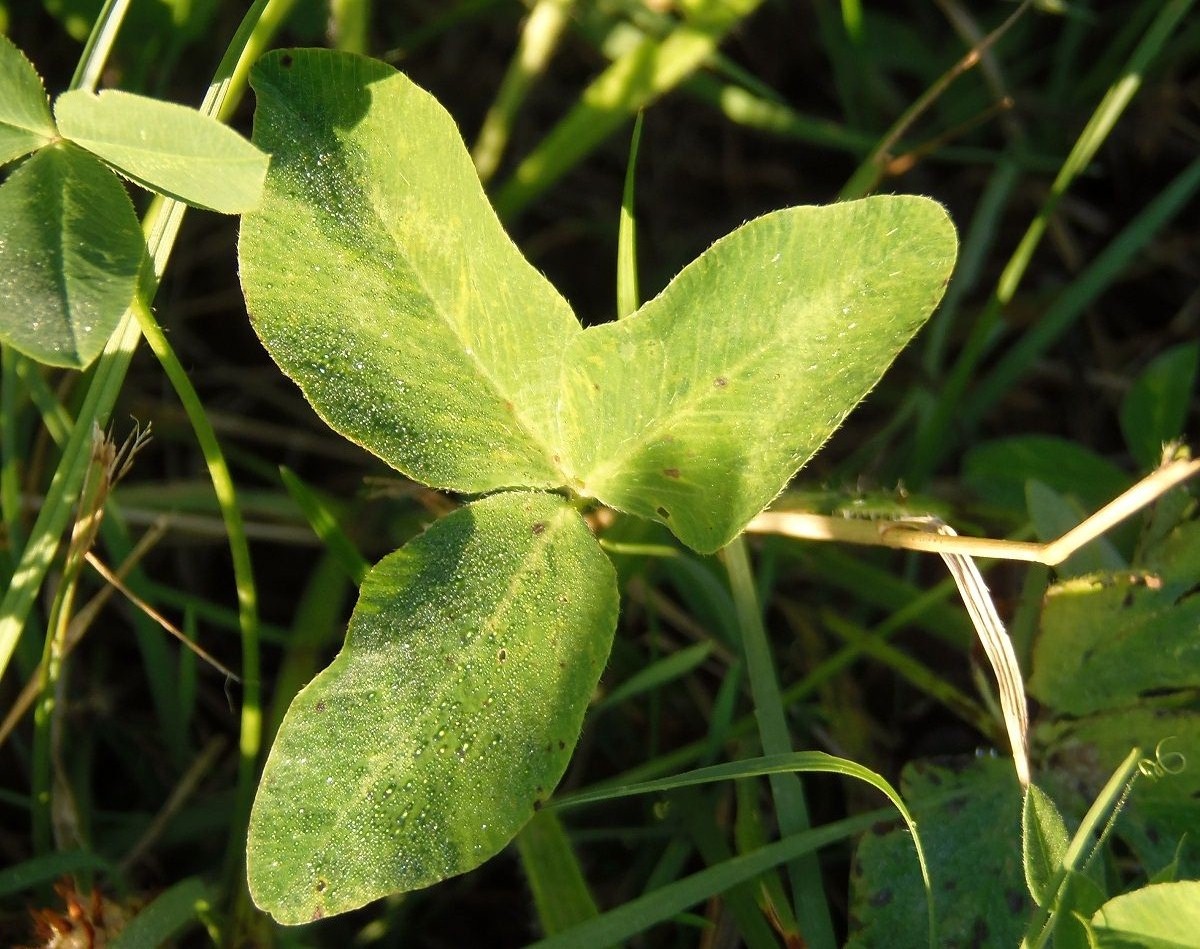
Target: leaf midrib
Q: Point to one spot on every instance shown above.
(695, 397)
(377, 765)
(518, 411)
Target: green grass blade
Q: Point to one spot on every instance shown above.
(628, 298)
(792, 812)
(99, 44)
(45, 869)
(539, 40)
(349, 22)
(64, 487)
(171, 912)
(325, 526)
(913, 671)
(1102, 273)
(656, 675)
(316, 626)
(560, 892)
(10, 453)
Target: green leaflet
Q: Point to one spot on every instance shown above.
(70, 251)
(1044, 842)
(448, 716)
(1155, 409)
(697, 410)
(381, 281)
(25, 122)
(969, 813)
(1135, 630)
(1160, 916)
(166, 147)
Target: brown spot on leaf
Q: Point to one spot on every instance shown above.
(286, 60)
(502, 654)
(538, 528)
(720, 382)
(321, 884)
(318, 913)
(671, 472)
(321, 705)
(663, 513)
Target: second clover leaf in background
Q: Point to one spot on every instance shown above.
(70, 251)
(25, 122)
(70, 243)
(166, 148)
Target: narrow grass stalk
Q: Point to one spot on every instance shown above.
(976, 247)
(250, 740)
(99, 44)
(920, 676)
(539, 40)
(64, 488)
(1083, 291)
(10, 470)
(867, 176)
(812, 909)
(628, 299)
(349, 23)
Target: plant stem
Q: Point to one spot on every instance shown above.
(812, 909)
(218, 470)
(1108, 801)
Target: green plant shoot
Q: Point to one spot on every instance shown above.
(379, 278)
